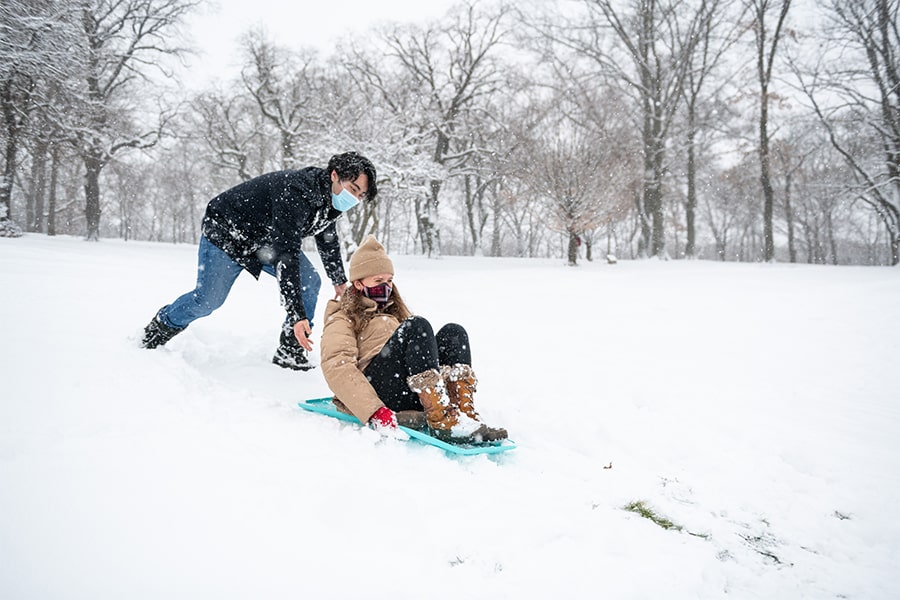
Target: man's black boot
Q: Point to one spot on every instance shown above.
(290, 354)
(157, 333)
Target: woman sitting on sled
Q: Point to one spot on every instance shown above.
(380, 361)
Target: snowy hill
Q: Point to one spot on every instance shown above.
(754, 407)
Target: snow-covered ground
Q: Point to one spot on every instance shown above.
(757, 407)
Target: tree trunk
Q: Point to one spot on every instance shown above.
(766, 181)
(690, 207)
(789, 216)
(428, 231)
(495, 233)
(38, 185)
(6, 182)
(643, 215)
(653, 219)
(573, 249)
(471, 202)
(51, 195)
(765, 58)
(609, 234)
(288, 155)
(9, 155)
(426, 223)
(93, 164)
(832, 244)
(655, 207)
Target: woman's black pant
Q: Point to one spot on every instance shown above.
(412, 349)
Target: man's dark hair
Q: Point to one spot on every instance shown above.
(349, 165)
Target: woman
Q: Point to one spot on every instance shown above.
(379, 360)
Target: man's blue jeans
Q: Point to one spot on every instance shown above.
(216, 273)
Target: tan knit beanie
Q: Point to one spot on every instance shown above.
(369, 259)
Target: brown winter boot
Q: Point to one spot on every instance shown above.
(460, 381)
(440, 415)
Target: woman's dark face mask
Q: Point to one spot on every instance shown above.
(380, 293)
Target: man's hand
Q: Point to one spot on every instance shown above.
(302, 333)
(339, 290)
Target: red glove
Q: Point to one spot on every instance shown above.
(384, 417)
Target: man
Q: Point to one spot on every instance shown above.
(259, 225)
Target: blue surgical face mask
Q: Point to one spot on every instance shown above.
(343, 201)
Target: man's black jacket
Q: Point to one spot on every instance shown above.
(263, 221)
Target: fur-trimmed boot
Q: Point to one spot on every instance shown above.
(460, 381)
(445, 421)
(441, 416)
(157, 333)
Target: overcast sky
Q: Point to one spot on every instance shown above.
(320, 24)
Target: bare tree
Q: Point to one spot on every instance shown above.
(516, 205)
(717, 30)
(647, 54)
(598, 112)
(725, 209)
(867, 81)
(568, 174)
(120, 40)
(288, 88)
(449, 70)
(498, 135)
(231, 130)
(458, 133)
(767, 37)
(378, 117)
(32, 46)
(791, 157)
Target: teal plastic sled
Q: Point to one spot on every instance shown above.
(324, 406)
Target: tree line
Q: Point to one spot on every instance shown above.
(751, 130)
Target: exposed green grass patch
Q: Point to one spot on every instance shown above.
(640, 507)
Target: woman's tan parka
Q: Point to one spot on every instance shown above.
(346, 355)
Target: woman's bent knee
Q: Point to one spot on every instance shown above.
(417, 323)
